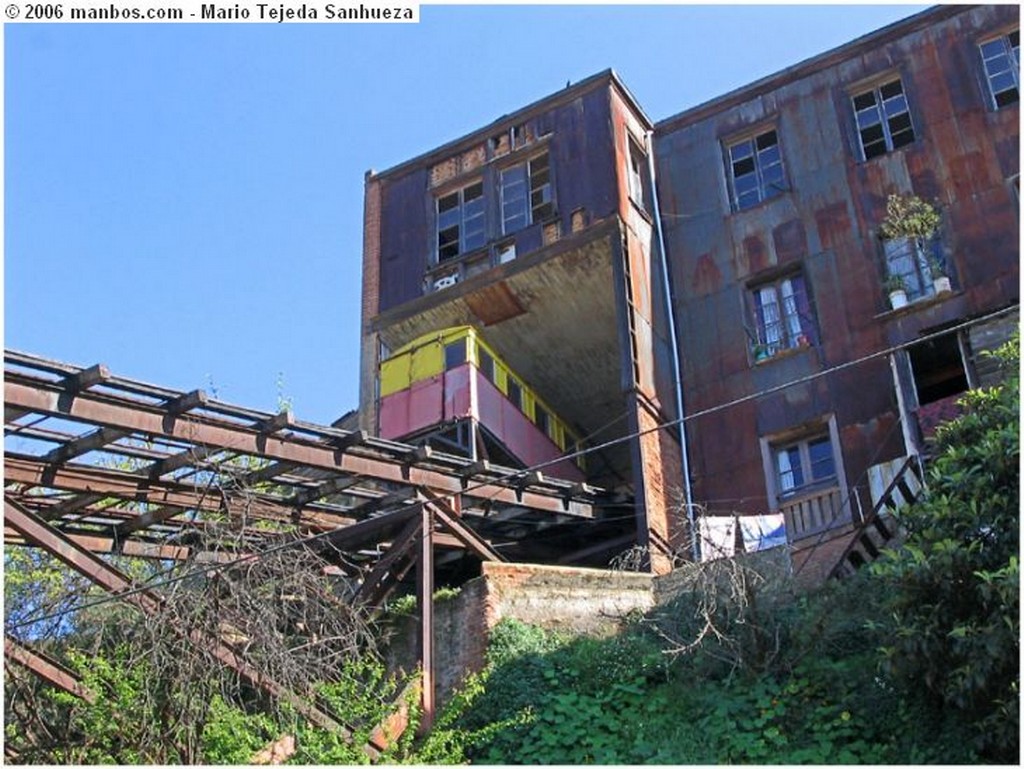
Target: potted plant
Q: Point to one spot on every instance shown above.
(908, 216)
(908, 226)
(896, 287)
(761, 352)
(940, 280)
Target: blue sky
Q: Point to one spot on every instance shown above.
(184, 202)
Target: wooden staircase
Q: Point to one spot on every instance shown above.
(880, 527)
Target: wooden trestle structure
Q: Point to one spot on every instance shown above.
(98, 464)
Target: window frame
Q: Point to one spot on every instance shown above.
(812, 430)
(638, 177)
(459, 221)
(803, 450)
(796, 322)
(533, 210)
(875, 89)
(762, 185)
(1012, 53)
(918, 281)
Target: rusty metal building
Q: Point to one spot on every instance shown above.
(772, 198)
(802, 391)
(538, 230)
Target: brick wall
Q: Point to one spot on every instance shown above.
(590, 601)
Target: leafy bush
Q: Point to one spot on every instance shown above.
(951, 592)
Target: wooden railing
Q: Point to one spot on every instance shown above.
(813, 512)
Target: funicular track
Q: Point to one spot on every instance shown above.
(98, 464)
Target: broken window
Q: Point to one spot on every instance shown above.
(883, 119)
(756, 170)
(783, 317)
(639, 178)
(526, 194)
(460, 221)
(802, 464)
(1001, 58)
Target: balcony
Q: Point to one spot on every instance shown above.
(813, 512)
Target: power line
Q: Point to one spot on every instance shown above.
(522, 473)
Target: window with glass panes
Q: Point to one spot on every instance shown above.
(756, 169)
(910, 260)
(460, 221)
(783, 315)
(526, 193)
(803, 464)
(1001, 58)
(883, 119)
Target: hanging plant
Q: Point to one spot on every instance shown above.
(908, 216)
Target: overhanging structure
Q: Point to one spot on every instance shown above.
(100, 464)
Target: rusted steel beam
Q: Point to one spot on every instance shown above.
(382, 578)
(36, 531)
(131, 487)
(68, 506)
(448, 516)
(108, 544)
(135, 417)
(87, 377)
(425, 605)
(372, 530)
(46, 668)
(106, 576)
(177, 461)
(83, 445)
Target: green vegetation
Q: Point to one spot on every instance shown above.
(914, 660)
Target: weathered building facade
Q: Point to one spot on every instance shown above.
(773, 199)
(801, 386)
(537, 230)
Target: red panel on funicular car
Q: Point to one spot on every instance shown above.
(521, 436)
(447, 396)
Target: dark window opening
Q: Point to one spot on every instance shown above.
(486, 364)
(803, 464)
(454, 354)
(460, 222)
(541, 418)
(883, 119)
(639, 178)
(783, 317)
(515, 393)
(526, 194)
(938, 368)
